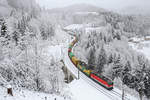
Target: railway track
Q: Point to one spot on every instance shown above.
(100, 88)
(113, 95)
(97, 88)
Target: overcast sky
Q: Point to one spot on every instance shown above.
(107, 4)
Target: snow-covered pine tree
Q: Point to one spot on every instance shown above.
(101, 60)
(91, 57)
(117, 66)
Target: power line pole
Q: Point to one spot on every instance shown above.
(78, 75)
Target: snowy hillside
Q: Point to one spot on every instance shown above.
(29, 44)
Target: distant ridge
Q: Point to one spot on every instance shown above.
(78, 8)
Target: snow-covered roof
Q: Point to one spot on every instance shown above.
(74, 26)
(86, 13)
(93, 29)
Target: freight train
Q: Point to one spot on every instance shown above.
(84, 68)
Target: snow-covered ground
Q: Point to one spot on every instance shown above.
(83, 91)
(27, 95)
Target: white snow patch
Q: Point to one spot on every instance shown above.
(83, 91)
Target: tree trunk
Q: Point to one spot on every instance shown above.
(140, 97)
(36, 65)
(26, 53)
(122, 91)
(78, 74)
(140, 94)
(9, 91)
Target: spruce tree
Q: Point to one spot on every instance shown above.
(101, 61)
(91, 59)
